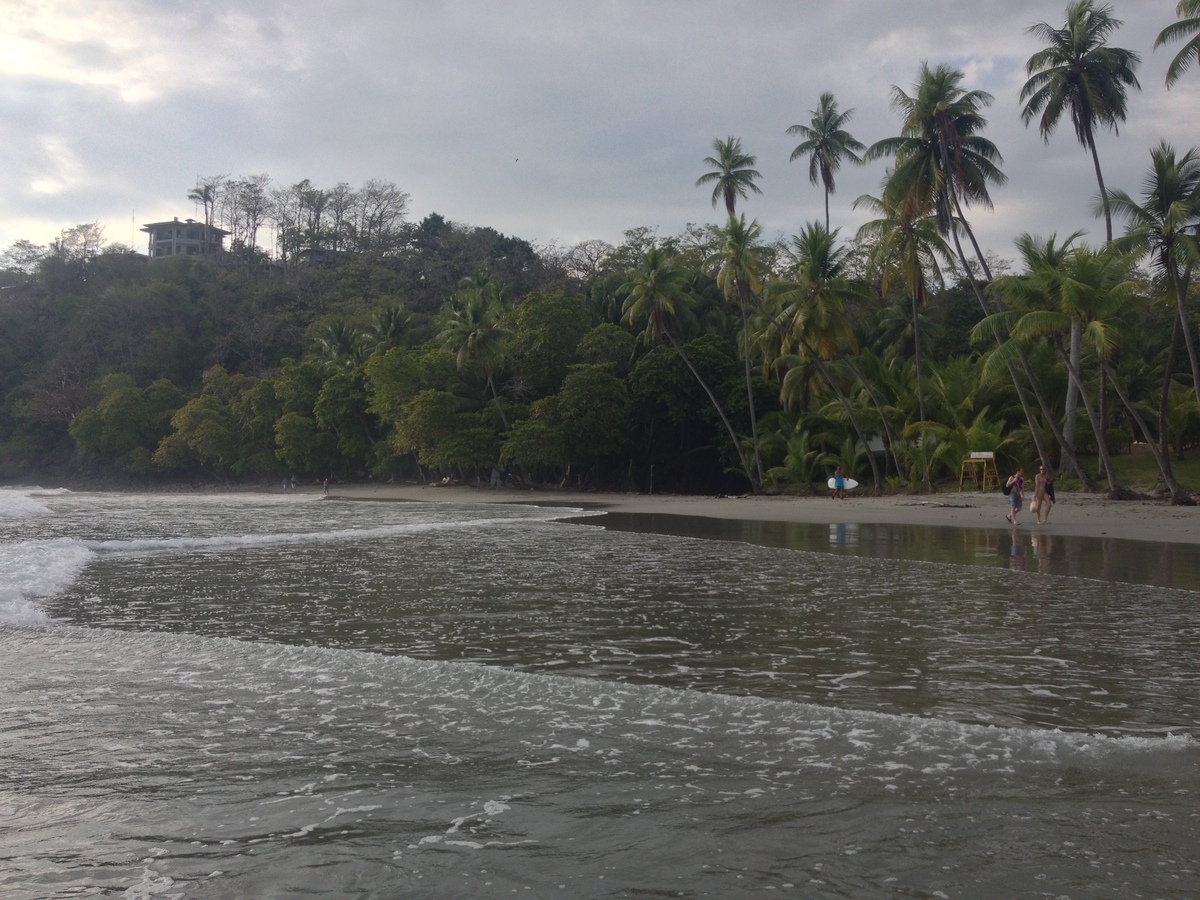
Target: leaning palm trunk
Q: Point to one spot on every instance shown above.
(1116, 489)
(744, 298)
(496, 398)
(877, 403)
(917, 358)
(1179, 281)
(1164, 395)
(1179, 496)
(1071, 401)
(737, 445)
(983, 304)
(1068, 447)
(846, 405)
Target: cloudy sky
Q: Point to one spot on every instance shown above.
(552, 120)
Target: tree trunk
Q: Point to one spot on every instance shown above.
(1071, 401)
(1116, 489)
(1068, 450)
(1179, 496)
(845, 401)
(1091, 144)
(720, 411)
(744, 304)
(1179, 282)
(917, 357)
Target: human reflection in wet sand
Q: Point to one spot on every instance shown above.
(1017, 560)
(1043, 549)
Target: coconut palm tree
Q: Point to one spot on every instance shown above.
(1043, 288)
(1095, 288)
(1164, 225)
(1078, 73)
(827, 144)
(741, 258)
(809, 311)
(909, 249)
(733, 173)
(942, 162)
(1186, 29)
(474, 335)
(657, 291)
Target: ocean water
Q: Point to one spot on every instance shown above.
(271, 695)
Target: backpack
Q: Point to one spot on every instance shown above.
(1006, 489)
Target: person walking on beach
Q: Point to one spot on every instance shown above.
(839, 484)
(1016, 485)
(1043, 498)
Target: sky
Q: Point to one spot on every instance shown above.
(556, 121)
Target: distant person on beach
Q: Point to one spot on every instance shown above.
(1016, 486)
(839, 484)
(326, 488)
(1043, 495)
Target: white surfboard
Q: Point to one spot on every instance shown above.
(848, 484)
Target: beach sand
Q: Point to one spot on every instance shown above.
(1083, 515)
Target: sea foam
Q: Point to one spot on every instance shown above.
(32, 570)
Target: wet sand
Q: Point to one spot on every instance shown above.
(1075, 515)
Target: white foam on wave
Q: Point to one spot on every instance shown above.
(583, 705)
(33, 570)
(244, 541)
(20, 503)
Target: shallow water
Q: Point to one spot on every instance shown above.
(262, 696)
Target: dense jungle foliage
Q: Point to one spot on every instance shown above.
(366, 346)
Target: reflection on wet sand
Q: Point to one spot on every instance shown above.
(1019, 549)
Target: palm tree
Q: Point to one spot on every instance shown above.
(206, 192)
(1040, 301)
(742, 265)
(827, 144)
(1079, 73)
(1094, 287)
(1188, 27)
(1164, 225)
(733, 173)
(474, 335)
(343, 347)
(942, 160)
(657, 291)
(943, 163)
(910, 249)
(810, 311)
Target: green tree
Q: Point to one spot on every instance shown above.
(474, 335)
(657, 293)
(1164, 226)
(827, 144)
(908, 248)
(733, 173)
(742, 261)
(1095, 287)
(1078, 73)
(1186, 29)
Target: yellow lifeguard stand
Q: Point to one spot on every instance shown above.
(980, 467)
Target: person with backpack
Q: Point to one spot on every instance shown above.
(1014, 488)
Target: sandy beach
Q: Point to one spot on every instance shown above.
(1084, 515)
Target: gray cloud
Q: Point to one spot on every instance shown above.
(549, 120)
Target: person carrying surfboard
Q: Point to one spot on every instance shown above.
(839, 484)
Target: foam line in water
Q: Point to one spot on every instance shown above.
(589, 706)
(32, 570)
(19, 503)
(245, 541)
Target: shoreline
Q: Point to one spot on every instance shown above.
(1075, 515)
